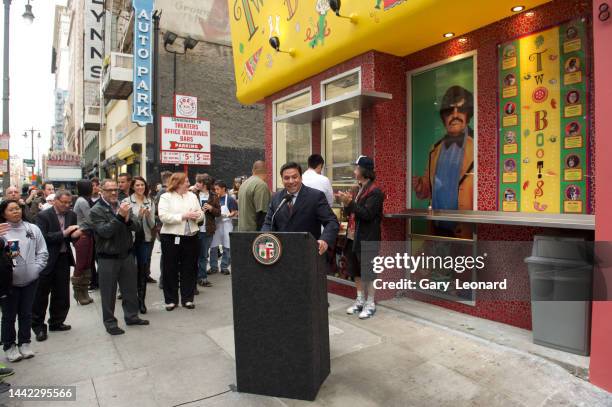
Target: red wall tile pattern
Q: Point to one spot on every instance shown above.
(384, 137)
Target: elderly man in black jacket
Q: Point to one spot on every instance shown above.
(113, 224)
(58, 226)
(298, 208)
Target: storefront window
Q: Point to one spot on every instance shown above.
(342, 134)
(293, 141)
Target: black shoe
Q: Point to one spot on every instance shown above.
(151, 280)
(213, 271)
(142, 308)
(119, 297)
(115, 330)
(189, 305)
(196, 291)
(41, 336)
(225, 272)
(137, 321)
(4, 387)
(60, 327)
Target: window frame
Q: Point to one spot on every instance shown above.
(323, 120)
(275, 102)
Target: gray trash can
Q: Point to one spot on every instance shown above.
(560, 274)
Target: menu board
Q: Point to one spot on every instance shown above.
(543, 133)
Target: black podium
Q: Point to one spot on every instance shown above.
(281, 328)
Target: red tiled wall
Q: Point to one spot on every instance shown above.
(384, 137)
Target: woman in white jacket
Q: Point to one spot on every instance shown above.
(180, 212)
(25, 245)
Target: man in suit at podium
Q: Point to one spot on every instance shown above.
(298, 208)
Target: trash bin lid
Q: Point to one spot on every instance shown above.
(564, 263)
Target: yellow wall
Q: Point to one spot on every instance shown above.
(322, 40)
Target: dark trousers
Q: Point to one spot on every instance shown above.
(18, 305)
(57, 284)
(180, 264)
(111, 272)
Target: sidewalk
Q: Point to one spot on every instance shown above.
(185, 357)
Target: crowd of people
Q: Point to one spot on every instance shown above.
(107, 232)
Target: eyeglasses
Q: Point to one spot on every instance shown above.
(450, 110)
(110, 189)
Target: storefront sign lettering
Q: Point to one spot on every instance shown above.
(142, 100)
(244, 9)
(94, 40)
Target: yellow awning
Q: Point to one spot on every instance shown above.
(320, 40)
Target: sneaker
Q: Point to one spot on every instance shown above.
(368, 311)
(356, 307)
(25, 351)
(213, 271)
(13, 354)
(225, 272)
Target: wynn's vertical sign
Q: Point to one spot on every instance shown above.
(543, 121)
(142, 113)
(94, 40)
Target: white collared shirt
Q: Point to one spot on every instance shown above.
(311, 179)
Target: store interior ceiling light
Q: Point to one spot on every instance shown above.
(448, 35)
(517, 9)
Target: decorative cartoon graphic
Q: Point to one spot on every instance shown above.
(572, 161)
(572, 97)
(510, 80)
(387, 4)
(572, 129)
(572, 193)
(323, 31)
(510, 108)
(509, 195)
(509, 165)
(509, 51)
(251, 65)
(510, 137)
(572, 65)
(571, 33)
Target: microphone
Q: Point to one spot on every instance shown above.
(287, 198)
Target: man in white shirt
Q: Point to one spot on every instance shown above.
(312, 177)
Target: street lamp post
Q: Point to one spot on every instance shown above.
(25, 135)
(29, 17)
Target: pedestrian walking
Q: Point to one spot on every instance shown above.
(209, 202)
(365, 210)
(113, 224)
(84, 247)
(58, 225)
(254, 198)
(180, 212)
(224, 226)
(23, 255)
(144, 209)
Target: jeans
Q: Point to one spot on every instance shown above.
(18, 305)
(142, 253)
(225, 259)
(205, 241)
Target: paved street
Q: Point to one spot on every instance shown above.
(185, 358)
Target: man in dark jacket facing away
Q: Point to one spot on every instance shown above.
(58, 226)
(113, 224)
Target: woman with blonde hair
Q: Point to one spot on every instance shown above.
(180, 213)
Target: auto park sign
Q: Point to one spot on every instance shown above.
(185, 141)
(143, 53)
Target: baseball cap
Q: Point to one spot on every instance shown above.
(365, 162)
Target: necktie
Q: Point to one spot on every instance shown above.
(290, 205)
